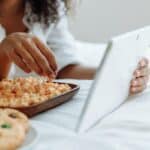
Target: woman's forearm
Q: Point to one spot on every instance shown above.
(77, 72)
(5, 65)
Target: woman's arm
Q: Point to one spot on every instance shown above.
(77, 72)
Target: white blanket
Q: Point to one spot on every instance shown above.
(125, 129)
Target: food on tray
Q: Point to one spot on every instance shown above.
(22, 92)
(13, 130)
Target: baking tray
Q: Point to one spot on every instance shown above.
(33, 110)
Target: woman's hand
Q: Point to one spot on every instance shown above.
(141, 77)
(30, 54)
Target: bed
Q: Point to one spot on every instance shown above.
(127, 128)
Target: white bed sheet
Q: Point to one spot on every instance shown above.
(128, 128)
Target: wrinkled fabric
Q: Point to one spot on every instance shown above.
(127, 128)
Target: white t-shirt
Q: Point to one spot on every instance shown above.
(56, 36)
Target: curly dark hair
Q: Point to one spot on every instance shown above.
(47, 10)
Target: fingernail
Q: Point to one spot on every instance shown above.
(134, 82)
(51, 77)
(49, 73)
(138, 73)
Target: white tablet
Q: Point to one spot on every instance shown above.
(111, 86)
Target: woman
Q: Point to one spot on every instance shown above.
(34, 36)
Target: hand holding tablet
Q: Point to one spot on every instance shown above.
(112, 83)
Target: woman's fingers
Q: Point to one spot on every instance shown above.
(31, 54)
(47, 53)
(143, 63)
(21, 51)
(38, 57)
(139, 81)
(18, 61)
(141, 72)
(143, 68)
(134, 90)
(27, 58)
(141, 77)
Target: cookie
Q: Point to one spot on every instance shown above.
(17, 116)
(12, 135)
